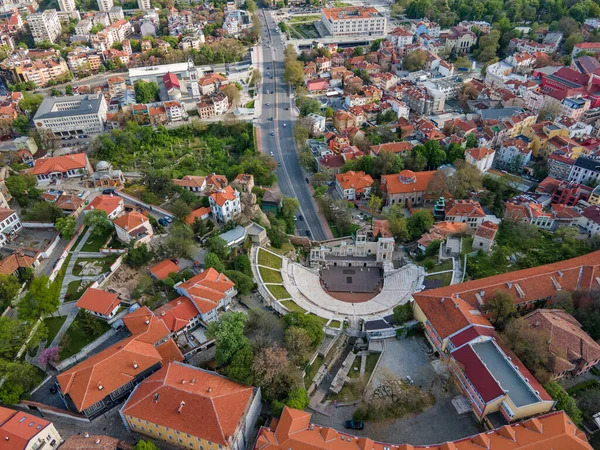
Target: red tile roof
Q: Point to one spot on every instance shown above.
(98, 301)
(59, 164)
(469, 208)
(396, 147)
(192, 401)
(206, 289)
(130, 221)
(551, 431)
(106, 203)
(359, 181)
(17, 428)
(487, 230)
(163, 269)
(406, 181)
(223, 195)
(177, 313)
(480, 152)
(197, 213)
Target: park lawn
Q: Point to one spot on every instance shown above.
(292, 306)
(250, 104)
(73, 291)
(286, 247)
(107, 261)
(270, 275)
(310, 18)
(268, 259)
(446, 278)
(335, 324)
(467, 245)
(76, 338)
(354, 371)
(312, 371)
(336, 232)
(371, 363)
(53, 325)
(320, 319)
(94, 243)
(83, 231)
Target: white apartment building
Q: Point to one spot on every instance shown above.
(105, 5)
(585, 170)
(115, 14)
(144, 4)
(71, 116)
(225, 204)
(401, 37)
(66, 5)
(45, 26)
(9, 225)
(83, 27)
(354, 21)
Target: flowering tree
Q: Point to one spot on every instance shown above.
(49, 354)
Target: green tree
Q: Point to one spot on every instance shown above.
(298, 399)
(564, 402)
(243, 283)
(500, 306)
(13, 334)
(242, 263)
(66, 226)
(419, 223)
(23, 188)
(180, 209)
(145, 445)
(310, 324)
(98, 222)
(22, 124)
(212, 260)
(298, 344)
(415, 60)
(218, 246)
(228, 333)
(137, 257)
(471, 140)
(146, 92)
(488, 46)
(9, 287)
(19, 379)
(403, 313)
(68, 89)
(41, 300)
(531, 346)
(240, 367)
(179, 244)
(43, 211)
(289, 207)
(570, 42)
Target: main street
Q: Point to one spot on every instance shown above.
(276, 128)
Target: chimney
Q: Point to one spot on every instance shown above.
(147, 321)
(135, 365)
(209, 389)
(156, 397)
(98, 441)
(100, 387)
(193, 381)
(182, 381)
(86, 435)
(181, 405)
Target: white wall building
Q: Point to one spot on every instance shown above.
(144, 4)
(72, 116)
(67, 5)
(105, 5)
(9, 225)
(45, 26)
(225, 204)
(354, 21)
(481, 157)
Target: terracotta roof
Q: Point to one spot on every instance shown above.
(69, 202)
(223, 195)
(206, 289)
(350, 13)
(97, 376)
(190, 181)
(98, 301)
(59, 164)
(130, 221)
(359, 181)
(197, 213)
(177, 313)
(5, 213)
(522, 285)
(564, 212)
(448, 228)
(382, 228)
(396, 147)
(18, 428)
(487, 230)
(567, 341)
(163, 269)
(406, 181)
(295, 432)
(14, 261)
(479, 153)
(106, 203)
(469, 208)
(192, 401)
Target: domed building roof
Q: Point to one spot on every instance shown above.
(103, 165)
(407, 177)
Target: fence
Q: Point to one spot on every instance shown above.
(113, 251)
(46, 409)
(145, 205)
(37, 224)
(63, 256)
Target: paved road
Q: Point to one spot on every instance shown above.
(281, 145)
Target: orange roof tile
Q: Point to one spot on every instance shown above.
(406, 181)
(206, 289)
(98, 301)
(17, 428)
(106, 203)
(163, 269)
(396, 147)
(59, 164)
(358, 181)
(479, 153)
(197, 213)
(192, 401)
(130, 221)
(223, 195)
(469, 208)
(14, 261)
(177, 313)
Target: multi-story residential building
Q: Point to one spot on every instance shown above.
(84, 60)
(200, 185)
(540, 135)
(144, 4)
(353, 185)
(354, 21)
(569, 193)
(133, 227)
(210, 291)
(529, 213)
(420, 102)
(9, 225)
(72, 116)
(590, 220)
(585, 47)
(83, 27)
(464, 211)
(481, 157)
(209, 84)
(574, 351)
(225, 204)
(192, 42)
(400, 37)
(116, 86)
(514, 154)
(104, 380)
(595, 196)
(484, 236)
(112, 205)
(99, 303)
(559, 166)
(105, 5)
(165, 407)
(115, 33)
(115, 14)
(175, 111)
(406, 187)
(67, 5)
(38, 66)
(426, 27)
(45, 26)
(294, 431)
(59, 167)
(585, 170)
(573, 107)
(22, 431)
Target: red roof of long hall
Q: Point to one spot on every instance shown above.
(192, 401)
(206, 289)
(295, 432)
(59, 164)
(523, 285)
(177, 313)
(478, 374)
(98, 301)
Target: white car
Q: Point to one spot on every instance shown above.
(285, 124)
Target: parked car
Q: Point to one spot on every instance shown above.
(108, 191)
(53, 389)
(272, 133)
(308, 233)
(168, 219)
(354, 424)
(163, 222)
(410, 380)
(301, 217)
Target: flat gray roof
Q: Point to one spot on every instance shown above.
(67, 105)
(235, 236)
(504, 373)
